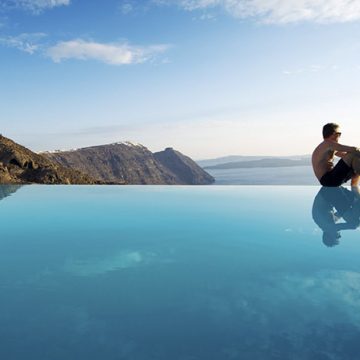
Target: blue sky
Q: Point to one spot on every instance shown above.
(207, 77)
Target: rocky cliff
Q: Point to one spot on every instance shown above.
(134, 164)
(185, 169)
(20, 165)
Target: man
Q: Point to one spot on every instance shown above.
(348, 166)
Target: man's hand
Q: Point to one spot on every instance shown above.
(340, 154)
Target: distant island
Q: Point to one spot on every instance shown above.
(260, 170)
(261, 163)
(117, 163)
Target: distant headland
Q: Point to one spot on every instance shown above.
(116, 163)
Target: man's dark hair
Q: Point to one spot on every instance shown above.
(329, 129)
(331, 239)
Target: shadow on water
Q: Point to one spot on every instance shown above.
(7, 190)
(336, 209)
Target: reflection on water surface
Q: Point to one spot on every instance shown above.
(336, 209)
(155, 273)
(7, 190)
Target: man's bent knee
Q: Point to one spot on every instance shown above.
(349, 158)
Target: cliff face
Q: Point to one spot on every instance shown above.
(134, 164)
(119, 163)
(184, 168)
(20, 165)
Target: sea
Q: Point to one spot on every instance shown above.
(294, 175)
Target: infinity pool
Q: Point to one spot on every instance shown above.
(179, 273)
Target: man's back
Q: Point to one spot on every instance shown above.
(322, 159)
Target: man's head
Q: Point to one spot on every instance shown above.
(331, 131)
(331, 238)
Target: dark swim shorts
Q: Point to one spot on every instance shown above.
(340, 174)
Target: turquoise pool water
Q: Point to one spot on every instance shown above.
(179, 273)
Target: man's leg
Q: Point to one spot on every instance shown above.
(353, 160)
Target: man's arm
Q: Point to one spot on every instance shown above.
(341, 148)
(340, 154)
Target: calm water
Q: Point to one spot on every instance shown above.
(295, 175)
(179, 273)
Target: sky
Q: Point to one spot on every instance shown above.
(209, 78)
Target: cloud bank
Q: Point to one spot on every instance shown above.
(279, 11)
(113, 54)
(36, 6)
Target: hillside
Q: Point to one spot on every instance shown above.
(133, 164)
(184, 168)
(19, 165)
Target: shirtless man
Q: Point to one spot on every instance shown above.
(348, 166)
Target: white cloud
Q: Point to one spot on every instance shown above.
(280, 11)
(207, 17)
(126, 8)
(35, 6)
(114, 54)
(29, 43)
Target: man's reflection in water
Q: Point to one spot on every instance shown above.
(7, 190)
(336, 209)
